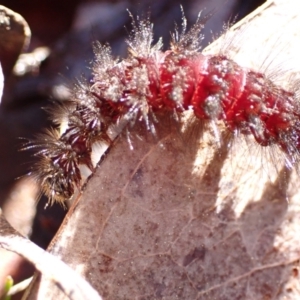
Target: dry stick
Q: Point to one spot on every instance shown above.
(19, 287)
(14, 38)
(74, 286)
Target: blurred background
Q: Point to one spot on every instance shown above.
(60, 51)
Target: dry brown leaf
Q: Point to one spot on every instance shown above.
(178, 217)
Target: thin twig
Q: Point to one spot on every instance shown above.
(66, 279)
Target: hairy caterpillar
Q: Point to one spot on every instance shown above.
(214, 87)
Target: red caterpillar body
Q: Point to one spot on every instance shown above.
(149, 80)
